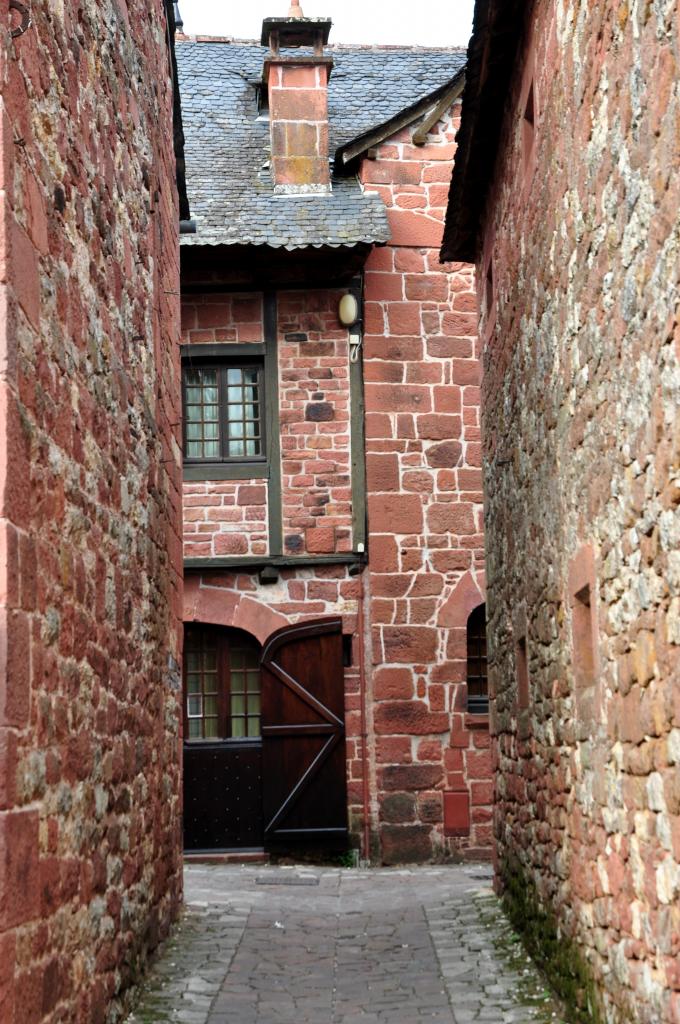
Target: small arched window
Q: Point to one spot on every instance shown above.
(477, 682)
(221, 684)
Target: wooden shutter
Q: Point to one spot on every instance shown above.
(303, 734)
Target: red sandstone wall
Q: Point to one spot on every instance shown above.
(315, 430)
(425, 517)
(90, 556)
(581, 398)
(424, 503)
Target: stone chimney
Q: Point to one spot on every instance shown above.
(297, 85)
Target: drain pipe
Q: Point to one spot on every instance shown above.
(364, 726)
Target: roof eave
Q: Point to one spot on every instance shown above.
(347, 154)
(497, 32)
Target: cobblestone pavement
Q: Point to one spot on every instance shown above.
(309, 945)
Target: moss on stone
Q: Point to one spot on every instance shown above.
(555, 954)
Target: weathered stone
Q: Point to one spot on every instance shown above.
(578, 271)
(90, 570)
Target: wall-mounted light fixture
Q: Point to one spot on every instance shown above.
(348, 310)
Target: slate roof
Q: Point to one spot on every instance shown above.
(226, 149)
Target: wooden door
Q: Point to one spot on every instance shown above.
(303, 735)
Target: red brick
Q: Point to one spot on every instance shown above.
(438, 426)
(457, 813)
(450, 518)
(393, 749)
(19, 881)
(403, 318)
(410, 644)
(385, 397)
(441, 347)
(409, 717)
(399, 513)
(465, 371)
(382, 472)
(391, 172)
(380, 287)
(393, 684)
(405, 844)
(230, 544)
(409, 777)
(15, 666)
(444, 455)
(426, 287)
(248, 495)
(320, 540)
(25, 277)
(414, 229)
(384, 554)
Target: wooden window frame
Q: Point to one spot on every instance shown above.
(223, 357)
(222, 368)
(224, 639)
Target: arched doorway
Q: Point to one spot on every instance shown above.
(264, 737)
(222, 739)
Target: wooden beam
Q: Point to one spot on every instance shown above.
(448, 99)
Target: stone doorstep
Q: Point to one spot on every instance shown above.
(228, 857)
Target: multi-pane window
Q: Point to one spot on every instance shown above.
(221, 685)
(477, 681)
(202, 687)
(223, 413)
(244, 664)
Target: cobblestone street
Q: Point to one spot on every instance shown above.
(331, 946)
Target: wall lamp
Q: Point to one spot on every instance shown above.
(348, 310)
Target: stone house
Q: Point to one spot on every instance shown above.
(335, 665)
(565, 194)
(90, 478)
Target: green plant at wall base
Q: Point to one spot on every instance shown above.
(556, 955)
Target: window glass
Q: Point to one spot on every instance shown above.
(222, 690)
(202, 685)
(245, 691)
(223, 413)
(477, 682)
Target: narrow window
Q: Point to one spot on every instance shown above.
(202, 687)
(522, 666)
(477, 679)
(488, 288)
(528, 128)
(244, 672)
(222, 689)
(223, 413)
(582, 633)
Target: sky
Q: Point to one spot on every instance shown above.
(406, 22)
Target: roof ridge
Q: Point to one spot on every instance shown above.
(403, 47)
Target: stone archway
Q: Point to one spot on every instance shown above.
(222, 606)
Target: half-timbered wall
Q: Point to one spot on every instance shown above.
(422, 498)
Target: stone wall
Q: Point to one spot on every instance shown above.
(90, 566)
(426, 563)
(579, 281)
(315, 429)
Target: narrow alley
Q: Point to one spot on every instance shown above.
(308, 945)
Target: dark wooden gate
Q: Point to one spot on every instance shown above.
(303, 735)
(222, 796)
